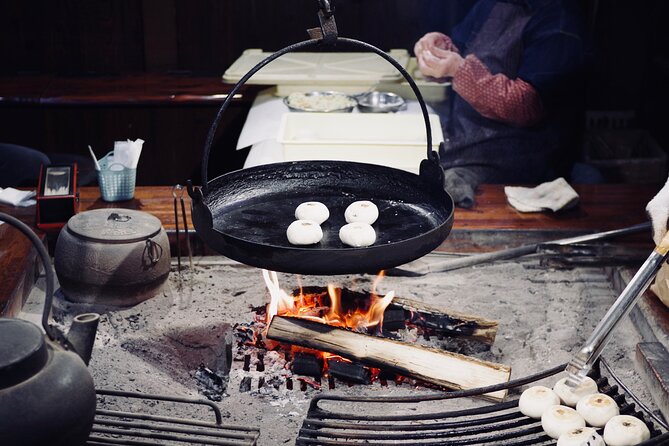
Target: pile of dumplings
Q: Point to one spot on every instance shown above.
(358, 232)
(572, 416)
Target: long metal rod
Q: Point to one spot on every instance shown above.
(214, 431)
(159, 436)
(510, 253)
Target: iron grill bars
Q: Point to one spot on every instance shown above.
(137, 428)
(498, 424)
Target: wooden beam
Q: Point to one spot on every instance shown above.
(434, 366)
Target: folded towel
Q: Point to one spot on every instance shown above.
(14, 197)
(555, 195)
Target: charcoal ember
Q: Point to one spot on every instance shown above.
(393, 319)
(387, 375)
(350, 371)
(306, 364)
(210, 383)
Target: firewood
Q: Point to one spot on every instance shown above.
(445, 369)
(448, 322)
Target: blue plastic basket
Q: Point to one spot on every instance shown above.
(117, 182)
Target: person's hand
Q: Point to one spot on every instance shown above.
(434, 40)
(437, 56)
(658, 210)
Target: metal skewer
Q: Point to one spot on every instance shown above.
(176, 223)
(181, 189)
(583, 361)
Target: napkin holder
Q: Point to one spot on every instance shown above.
(57, 196)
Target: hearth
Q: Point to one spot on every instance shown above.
(165, 344)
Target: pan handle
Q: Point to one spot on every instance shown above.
(427, 169)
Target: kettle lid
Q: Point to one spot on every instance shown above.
(23, 351)
(111, 225)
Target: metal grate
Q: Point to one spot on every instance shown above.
(136, 427)
(498, 424)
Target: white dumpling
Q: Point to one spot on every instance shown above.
(597, 409)
(304, 232)
(625, 430)
(312, 210)
(569, 396)
(581, 436)
(361, 211)
(557, 420)
(535, 400)
(357, 234)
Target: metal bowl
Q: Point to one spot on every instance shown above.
(380, 102)
(320, 101)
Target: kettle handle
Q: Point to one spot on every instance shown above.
(52, 332)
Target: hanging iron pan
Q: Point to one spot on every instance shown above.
(244, 214)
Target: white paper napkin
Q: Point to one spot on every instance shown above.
(127, 152)
(554, 195)
(19, 198)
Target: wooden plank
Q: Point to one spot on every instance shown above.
(438, 367)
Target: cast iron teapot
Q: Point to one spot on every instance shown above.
(47, 395)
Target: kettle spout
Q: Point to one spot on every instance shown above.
(82, 334)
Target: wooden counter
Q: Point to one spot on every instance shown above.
(492, 224)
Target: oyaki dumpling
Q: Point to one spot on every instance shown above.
(361, 211)
(581, 436)
(357, 234)
(597, 409)
(625, 430)
(570, 397)
(304, 232)
(557, 420)
(312, 210)
(535, 400)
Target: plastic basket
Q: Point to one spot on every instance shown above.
(117, 184)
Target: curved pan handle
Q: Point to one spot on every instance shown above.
(432, 155)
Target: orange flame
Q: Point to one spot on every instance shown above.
(312, 307)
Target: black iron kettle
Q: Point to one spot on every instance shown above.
(47, 395)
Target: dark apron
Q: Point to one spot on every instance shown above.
(497, 152)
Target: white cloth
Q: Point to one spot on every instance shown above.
(19, 198)
(658, 209)
(553, 195)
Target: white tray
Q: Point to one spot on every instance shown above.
(393, 140)
(363, 69)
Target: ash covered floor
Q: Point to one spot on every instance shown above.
(156, 346)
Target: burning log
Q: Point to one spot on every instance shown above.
(448, 322)
(438, 367)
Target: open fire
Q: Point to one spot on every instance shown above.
(327, 309)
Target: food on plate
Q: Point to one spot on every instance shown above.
(361, 211)
(304, 232)
(357, 234)
(597, 409)
(556, 420)
(569, 396)
(312, 210)
(581, 436)
(625, 430)
(320, 101)
(535, 400)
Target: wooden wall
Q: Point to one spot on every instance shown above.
(199, 36)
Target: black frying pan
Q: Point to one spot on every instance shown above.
(244, 214)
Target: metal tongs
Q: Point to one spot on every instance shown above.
(582, 362)
(178, 193)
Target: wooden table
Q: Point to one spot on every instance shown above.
(492, 224)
